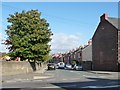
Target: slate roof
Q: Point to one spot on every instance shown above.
(115, 22)
(87, 53)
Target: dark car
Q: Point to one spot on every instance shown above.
(51, 66)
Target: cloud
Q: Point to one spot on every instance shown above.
(60, 42)
(63, 42)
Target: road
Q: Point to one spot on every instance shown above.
(64, 79)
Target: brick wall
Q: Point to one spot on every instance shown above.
(119, 46)
(104, 47)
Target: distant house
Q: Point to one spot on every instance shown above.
(106, 44)
(78, 55)
(73, 56)
(66, 58)
(56, 58)
(87, 57)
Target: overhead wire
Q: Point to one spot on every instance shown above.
(11, 8)
(53, 16)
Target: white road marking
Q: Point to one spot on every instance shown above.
(50, 87)
(101, 86)
(90, 87)
(71, 71)
(94, 76)
(41, 77)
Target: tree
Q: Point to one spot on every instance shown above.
(28, 36)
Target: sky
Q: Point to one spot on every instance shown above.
(72, 23)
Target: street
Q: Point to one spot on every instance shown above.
(61, 78)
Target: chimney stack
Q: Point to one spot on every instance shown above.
(90, 42)
(104, 17)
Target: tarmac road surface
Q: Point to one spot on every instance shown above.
(64, 79)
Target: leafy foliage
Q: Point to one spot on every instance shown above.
(28, 36)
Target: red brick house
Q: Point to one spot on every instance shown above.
(78, 55)
(106, 45)
(73, 55)
(57, 58)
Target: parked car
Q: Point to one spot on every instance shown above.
(51, 66)
(68, 66)
(61, 65)
(78, 67)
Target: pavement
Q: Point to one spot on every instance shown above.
(104, 72)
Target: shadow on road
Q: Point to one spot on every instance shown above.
(61, 89)
(94, 84)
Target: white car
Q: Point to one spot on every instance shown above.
(61, 65)
(68, 66)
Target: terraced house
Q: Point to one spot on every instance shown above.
(106, 44)
(72, 56)
(87, 56)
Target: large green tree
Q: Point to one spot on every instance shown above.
(28, 36)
